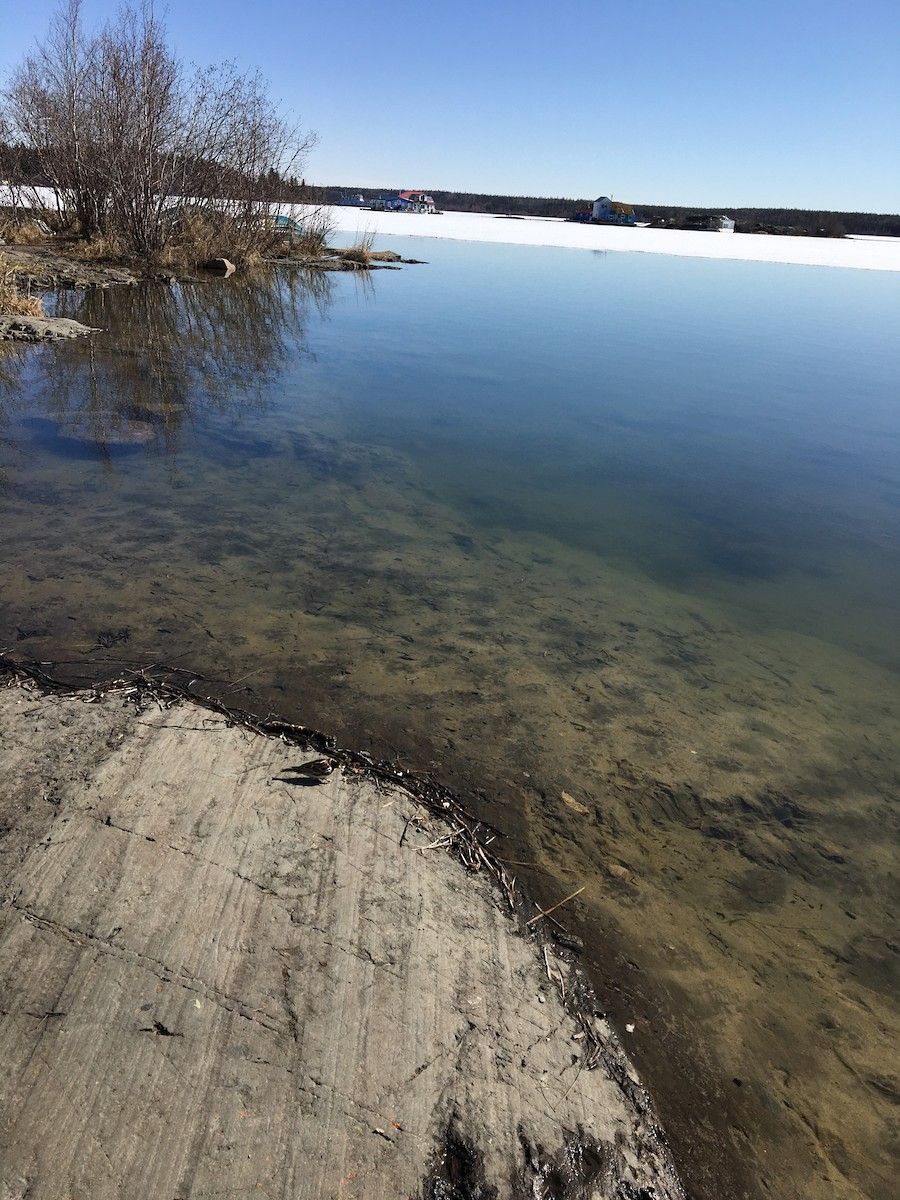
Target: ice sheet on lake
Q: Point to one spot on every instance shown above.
(865, 254)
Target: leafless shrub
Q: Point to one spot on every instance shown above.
(123, 127)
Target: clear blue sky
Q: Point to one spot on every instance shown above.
(794, 103)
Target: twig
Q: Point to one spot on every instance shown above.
(447, 840)
(565, 1094)
(547, 911)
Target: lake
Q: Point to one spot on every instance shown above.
(609, 543)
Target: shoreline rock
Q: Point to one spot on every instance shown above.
(42, 329)
(219, 973)
(219, 266)
(42, 268)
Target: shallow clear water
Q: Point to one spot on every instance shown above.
(610, 543)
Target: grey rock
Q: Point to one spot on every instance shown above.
(214, 980)
(219, 266)
(41, 329)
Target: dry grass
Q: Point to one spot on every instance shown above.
(21, 232)
(309, 243)
(306, 246)
(317, 226)
(360, 253)
(96, 249)
(203, 235)
(197, 237)
(13, 303)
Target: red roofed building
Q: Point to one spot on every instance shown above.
(418, 202)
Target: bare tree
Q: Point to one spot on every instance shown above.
(49, 105)
(237, 150)
(139, 95)
(123, 129)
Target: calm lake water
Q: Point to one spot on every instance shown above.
(608, 542)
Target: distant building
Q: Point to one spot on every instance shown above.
(721, 225)
(418, 202)
(611, 212)
(387, 204)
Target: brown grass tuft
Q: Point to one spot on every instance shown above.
(309, 242)
(317, 226)
(96, 249)
(197, 237)
(360, 253)
(12, 302)
(22, 232)
(201, 235)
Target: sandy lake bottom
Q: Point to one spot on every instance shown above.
(623, 578)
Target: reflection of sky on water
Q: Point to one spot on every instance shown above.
(714, 425)
(541, 518)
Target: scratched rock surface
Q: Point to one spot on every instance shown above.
(216, 979)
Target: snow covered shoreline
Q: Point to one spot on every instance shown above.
(860, 254)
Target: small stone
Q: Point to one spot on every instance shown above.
(219, 266)
(575, 805)
(569, 941)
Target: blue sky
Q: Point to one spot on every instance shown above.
(699, 103)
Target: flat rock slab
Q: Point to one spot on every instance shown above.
(41, 329)
(217, 980)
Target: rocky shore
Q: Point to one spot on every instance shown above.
(41, 329)
(35, 269)
(40, 268)
(218, 972)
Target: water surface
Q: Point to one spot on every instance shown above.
(609, 543)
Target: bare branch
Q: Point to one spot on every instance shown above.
(124, 132)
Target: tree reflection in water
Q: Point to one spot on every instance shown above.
(168, 353)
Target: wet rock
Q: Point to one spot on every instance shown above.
(41, 329)
(302, 986)
(113, 430)
(569, 941)
(219, 266)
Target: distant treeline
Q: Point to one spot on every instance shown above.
(797, 221)
(501, 206)
(810, 222)
(27, 167)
